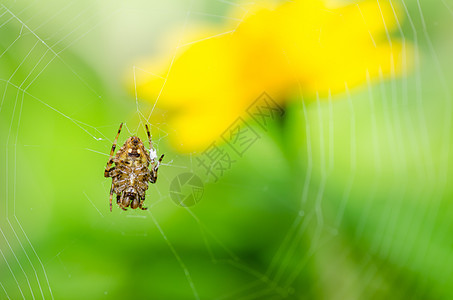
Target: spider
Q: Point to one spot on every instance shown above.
(131, 173)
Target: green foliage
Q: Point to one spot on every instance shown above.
(355, 207)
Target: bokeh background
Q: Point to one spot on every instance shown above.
(344, 197)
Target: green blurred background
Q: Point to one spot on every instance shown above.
(343, 198)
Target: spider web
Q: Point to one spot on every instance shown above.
(362, 212)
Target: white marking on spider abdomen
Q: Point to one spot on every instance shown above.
(132, 178)
(131, 190)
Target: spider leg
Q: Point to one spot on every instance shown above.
(112, 172)
(141, 204)
(111, 196)
(153, 178)
(149, 137)
(120, 204)
(110, 162)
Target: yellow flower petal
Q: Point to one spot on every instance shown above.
(301, 43)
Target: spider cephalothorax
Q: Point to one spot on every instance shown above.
(131, 173)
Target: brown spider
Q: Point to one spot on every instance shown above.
(131, 173)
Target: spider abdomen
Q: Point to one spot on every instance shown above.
(130, 185)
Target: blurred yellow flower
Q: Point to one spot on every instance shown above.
(304, 43)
